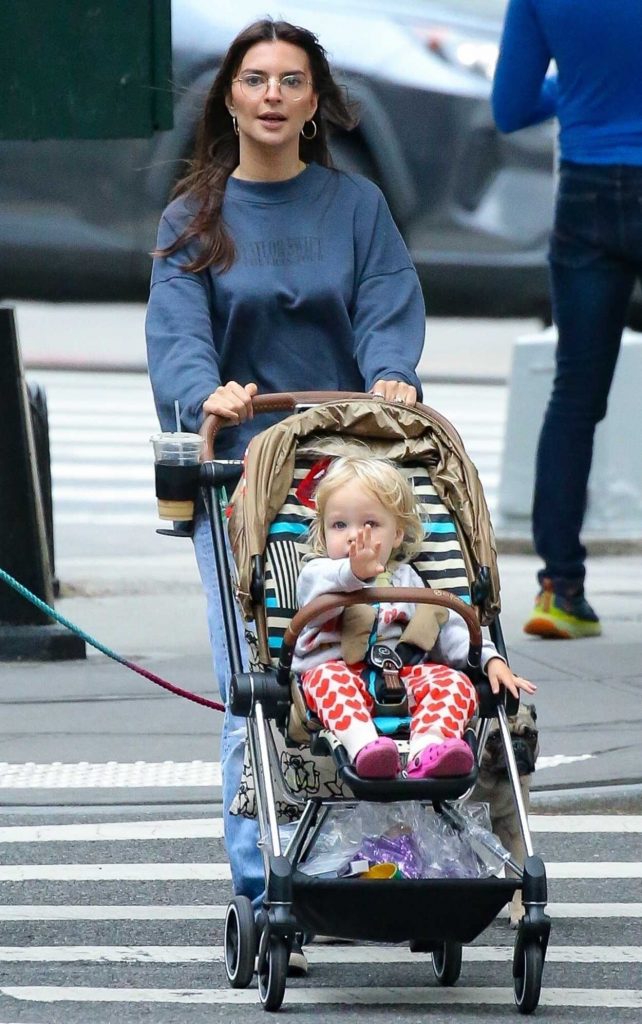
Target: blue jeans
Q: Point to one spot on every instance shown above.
(595, 257)
(241, 834)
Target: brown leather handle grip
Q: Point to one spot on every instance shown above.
(287, 401)
(382, 595)
(283, 401)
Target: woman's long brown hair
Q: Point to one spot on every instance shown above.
(217, 146)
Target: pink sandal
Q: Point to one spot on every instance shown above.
(378, 759)
(452, 757)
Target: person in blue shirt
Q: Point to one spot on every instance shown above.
(273, 272)
(595, 252)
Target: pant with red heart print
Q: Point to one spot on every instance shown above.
(441, 702)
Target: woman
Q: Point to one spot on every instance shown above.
(273, 272)
(595, 255)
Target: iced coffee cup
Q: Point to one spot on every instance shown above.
(176, 465)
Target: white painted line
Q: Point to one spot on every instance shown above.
(588, 823)
(217, 872)
(111, 471)
(110, 774)
(109, 912)
(555, 760)
(579, 911)
(114, 872)
(185, 828)
(194, 954)
(216, 912)
(594, 869)
(102, 495)
(147, 519)
(630, 999)
(212, 828)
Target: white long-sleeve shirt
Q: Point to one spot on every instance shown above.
(320, 640)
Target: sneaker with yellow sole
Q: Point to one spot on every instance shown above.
(559, 617)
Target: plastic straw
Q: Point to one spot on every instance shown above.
(177, 412)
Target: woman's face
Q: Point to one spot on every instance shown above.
(273, 114)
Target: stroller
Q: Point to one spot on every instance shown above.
(267, 528)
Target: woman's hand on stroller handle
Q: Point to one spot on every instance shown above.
(394, 391)
(500, 674)
(232, 402)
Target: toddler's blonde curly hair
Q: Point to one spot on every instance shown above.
(383, 480)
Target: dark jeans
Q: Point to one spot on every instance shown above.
(595, 257)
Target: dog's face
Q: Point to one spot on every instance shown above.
(525, 737)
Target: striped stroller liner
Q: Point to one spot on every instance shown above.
(439, 563)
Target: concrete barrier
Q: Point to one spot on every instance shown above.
(614, 509)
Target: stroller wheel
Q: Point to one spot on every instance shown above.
(528, 982)
(446, 963)
(240, 942)
(273, 969)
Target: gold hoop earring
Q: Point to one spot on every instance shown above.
(235, 125)
(309, 138)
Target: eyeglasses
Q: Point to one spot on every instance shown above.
(254, 84)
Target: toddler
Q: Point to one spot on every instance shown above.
(367, 525)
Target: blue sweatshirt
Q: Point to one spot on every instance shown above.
(322, 296)
(597, 91)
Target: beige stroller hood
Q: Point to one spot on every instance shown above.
(396, 432)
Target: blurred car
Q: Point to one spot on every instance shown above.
(78, 218)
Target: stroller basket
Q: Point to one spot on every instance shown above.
(430, 911)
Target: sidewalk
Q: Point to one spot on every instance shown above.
(112, 337)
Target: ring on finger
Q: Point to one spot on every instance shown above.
(378, 394)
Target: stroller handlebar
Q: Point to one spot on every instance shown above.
(381, 595)
(287, 401)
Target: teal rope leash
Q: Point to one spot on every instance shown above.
(195, 697)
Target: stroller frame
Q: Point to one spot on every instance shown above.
(435, 915)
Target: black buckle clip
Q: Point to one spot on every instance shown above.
(388, 686)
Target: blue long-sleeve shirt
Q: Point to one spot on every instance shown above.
(597, 90)
(322, 296)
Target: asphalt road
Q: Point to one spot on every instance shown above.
(117, 950)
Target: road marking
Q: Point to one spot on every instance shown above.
(160, 871)
(87, 471)
(165, 872)
(212, 828)
(110, 774)
(630, 999)
(555, 760)
(166, 773)
(316, 954)
(102, 495)
(588, 823)
(109, 912)
(113, 831)
(216, 912)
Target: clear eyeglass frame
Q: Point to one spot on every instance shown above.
(292, 87)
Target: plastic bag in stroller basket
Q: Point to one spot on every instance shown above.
(404, 840)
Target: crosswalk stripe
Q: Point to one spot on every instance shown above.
(216, 912)
(108, 774)
(108, 912)
(573, 997)
(183, 828)
(347, 954)
(158, 871)
(212, 828)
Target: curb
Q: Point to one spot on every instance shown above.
(607, 799)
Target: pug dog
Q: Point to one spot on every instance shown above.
(493, 787)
